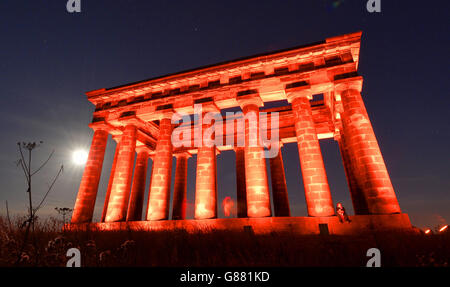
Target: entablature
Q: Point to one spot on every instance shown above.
(313, 61)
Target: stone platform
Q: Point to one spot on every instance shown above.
(300, 225)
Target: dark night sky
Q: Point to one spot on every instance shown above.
(49, 58)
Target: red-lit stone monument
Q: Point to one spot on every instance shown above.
(138, 116)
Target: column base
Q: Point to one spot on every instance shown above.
(359, 224)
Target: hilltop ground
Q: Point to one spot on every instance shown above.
(49, 245)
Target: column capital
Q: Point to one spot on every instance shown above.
(278, 144)
(116, 138)
(272, 144)
(183, 154)
(130, 120)
(301, 92)
(236, 148)
(128, 125)
(354, 83)
(208, 107)
(142, 148)
(151, 154)
(129, 128)
(103, 126)
(164, 114)
(249, 97)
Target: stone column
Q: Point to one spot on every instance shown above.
(205, 185)
(359, 203)
(87, 193)
(123, 172)
(279, 187)
(258, 196)
(138, 187)
(151, 157)
(317, 191)
(111, 177)
(179, 193)
(365, 156)
(240, 183)
(159, 197)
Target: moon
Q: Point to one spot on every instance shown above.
(79, 157)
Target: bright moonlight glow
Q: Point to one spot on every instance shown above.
(79, 157)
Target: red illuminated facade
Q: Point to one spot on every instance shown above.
(322, 90)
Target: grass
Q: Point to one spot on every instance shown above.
(218, 248)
